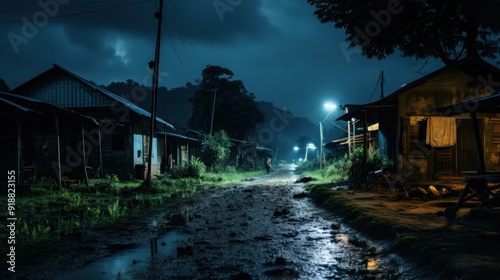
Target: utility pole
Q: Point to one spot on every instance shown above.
(156, 65)
(381, 84)
(213, 110)
(322, 164)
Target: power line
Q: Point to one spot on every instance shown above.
(84, 13)
(187, 35)
(69, 6)
(180, 35)
(392, 87)
(175, 50)
(372, 95)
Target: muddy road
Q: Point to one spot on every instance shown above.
(265, 228)
(268, 229)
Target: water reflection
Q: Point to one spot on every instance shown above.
(372, 264)
(342, 237)
(121, 264)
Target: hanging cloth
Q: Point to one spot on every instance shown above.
(441, 132)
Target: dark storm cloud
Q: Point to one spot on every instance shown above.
(215, 21)
(278, 48)
(223, 21)
(98, 32)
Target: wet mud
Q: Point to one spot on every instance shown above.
(269, 229)
(266, 228)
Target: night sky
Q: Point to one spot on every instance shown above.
(278, 48)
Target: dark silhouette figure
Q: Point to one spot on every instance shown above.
(268, 165)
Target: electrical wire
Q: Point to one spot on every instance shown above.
(174, 49)
(187, 35)
(372, 95)
(391, 87)
(69, 6)
(180, 35)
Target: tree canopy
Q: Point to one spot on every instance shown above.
(215, 150)
(447, 30)
(235, 109)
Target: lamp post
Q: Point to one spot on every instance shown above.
(308, 146)
(330, 107)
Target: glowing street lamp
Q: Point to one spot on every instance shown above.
(308, 147)
(330, 107)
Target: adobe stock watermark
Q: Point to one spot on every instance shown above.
(362, 39)
(90, 139)
(39, 19)
(223, 6)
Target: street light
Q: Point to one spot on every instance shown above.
(330, 107)
(308, 146)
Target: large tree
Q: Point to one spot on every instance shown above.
(234, 111)
(448, 30)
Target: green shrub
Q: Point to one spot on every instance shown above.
(338, 169)
(43, 185)
(215, 150)
(351, 168)
(195, 168)
(375, 161)
(307, 166)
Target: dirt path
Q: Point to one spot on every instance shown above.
(268, 229)
(265, 228)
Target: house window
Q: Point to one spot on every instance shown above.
(496, 132)
(118, 142)
(184, 153)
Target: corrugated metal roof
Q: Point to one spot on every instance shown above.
(16, 105)
(28, 103)
(177, 136)
(131, 106)
(483, 104)
(264, 149)
(473, 66)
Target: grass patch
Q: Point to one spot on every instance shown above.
(357, 217)
(46, 212)
(403, 241)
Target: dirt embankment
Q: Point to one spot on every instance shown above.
(465, 248)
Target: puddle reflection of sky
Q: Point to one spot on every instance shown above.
(120, 264)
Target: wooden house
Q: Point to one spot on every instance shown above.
(422, 141)
(38, 137)
(176, 149)
(124, 128)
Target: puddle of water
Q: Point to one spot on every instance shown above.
(120, 264)
(343, 238)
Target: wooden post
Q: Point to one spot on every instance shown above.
(19, 156)
(479, 144)
(58, 151)
(84, 158)
(101, 172)
(156, 70)
(165, 156)
(365, 144)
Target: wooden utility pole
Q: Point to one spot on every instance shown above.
(156, 65)
(381, 84)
